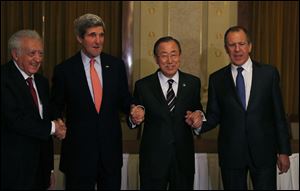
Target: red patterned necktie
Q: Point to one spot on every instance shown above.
(32, 91)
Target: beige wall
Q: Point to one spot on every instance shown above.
(198, 25)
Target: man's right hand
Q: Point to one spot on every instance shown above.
(137, 114)
(60, 129)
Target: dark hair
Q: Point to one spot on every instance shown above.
(165, 39)
(236, 29)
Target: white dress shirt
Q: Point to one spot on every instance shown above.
(98, 68)
(247, 74)
(40, 105)
(163, 80)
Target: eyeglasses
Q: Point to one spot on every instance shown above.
(172, 56)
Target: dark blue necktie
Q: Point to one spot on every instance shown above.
(171, 96)
(240, 86)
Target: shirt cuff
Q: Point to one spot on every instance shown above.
(52, 128)
(132, 125)
(197, 131)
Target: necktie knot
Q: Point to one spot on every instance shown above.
(32, 90)
(240, 69)
(92, 61)
(170, 81)
(171, 96)
(29, 81)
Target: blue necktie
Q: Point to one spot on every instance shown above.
(240, 86)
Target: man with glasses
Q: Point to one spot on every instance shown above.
(171, 99)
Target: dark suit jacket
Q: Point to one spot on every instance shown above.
(91, 137)
(164, 132)
(261, 131)
(26, 143)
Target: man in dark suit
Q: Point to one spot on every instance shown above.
(244, 98)
(92, 88)
(26, 144)
(171, 98)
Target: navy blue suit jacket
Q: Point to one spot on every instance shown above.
(261, 131)
(90, 137)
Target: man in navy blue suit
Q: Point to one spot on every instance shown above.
(244, 98)
(92, 88)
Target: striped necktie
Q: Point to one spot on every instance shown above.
(171, 96)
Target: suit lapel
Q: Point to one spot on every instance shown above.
(255, 83)
(181, 91)
(41, 89)
(43, 95)
(157, 91)
(83, 87)
(22, 85)
(229, 82)
(106, 69)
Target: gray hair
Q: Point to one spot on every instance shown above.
(14, 41)
(82, 23)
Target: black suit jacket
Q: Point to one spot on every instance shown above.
(26, 144)
(165, 132)
(91, 137)
(261, 131)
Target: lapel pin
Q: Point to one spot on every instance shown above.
(183, 84)
(106, 66)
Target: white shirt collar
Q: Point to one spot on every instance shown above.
(86, 59)
(165, 79)
(25, 76)
(247, 66)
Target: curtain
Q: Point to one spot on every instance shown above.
(56, 26)
(13, 19)
(61, 41)
(274, 30)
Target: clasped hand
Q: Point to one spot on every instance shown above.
(137, 114)
(194, 119)
(60, 129)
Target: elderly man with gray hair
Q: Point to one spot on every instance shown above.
(91, 87)
(26, 144)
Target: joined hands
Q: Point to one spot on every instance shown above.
(194, 119)
(137, 114)
(60, 129)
